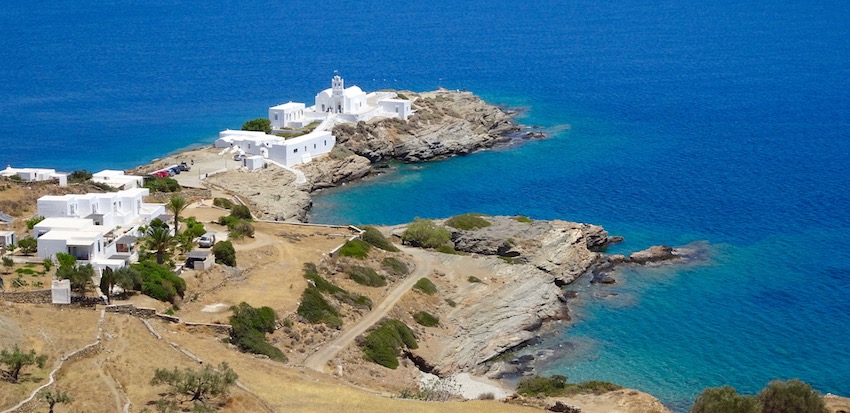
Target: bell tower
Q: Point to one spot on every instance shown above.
(338, 86)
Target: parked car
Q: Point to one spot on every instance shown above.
(183, 167)
(239, 157)
(174, 171)
(160, 174)
(207, 240)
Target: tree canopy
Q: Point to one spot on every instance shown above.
(259, 124)
(13, 362)
(191, 385)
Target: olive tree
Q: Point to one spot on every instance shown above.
(13, 362)
(723, 400)
(191, 385)
(791, 396)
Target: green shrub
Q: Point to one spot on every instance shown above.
(547, 386)
(241, 229)
(162, 185)
(447, 249)
(355, 248)
(194, 228)
(259, 124)
(31, 223)
(451, 302)
(312, 273)
(791, 396)
(250, 326)
(467, 222)
(28, 245)
(158, 282)
(725, 399)
(473, 279)
(374, 237)
(523, 219)
(224, 253)
(426, 286)
(425, 233)
(240, 212)
(315, 309)
(383, 344)
(223, 203)
(79, 176)
(557, 386)
(366, 276)
(394, 266)
(426, 319)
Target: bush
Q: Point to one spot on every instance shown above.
(725, 399)
(162, 185)
(374, 237)
(425, 233)
(473, 279)
(158, 282)
(366, 276)
(426, 286)
(241, 229)
(223, 203)
(451, 302)
(79, 176)
(383, 344)
(355, 248)
(31, 223)
(557, 386)
(28, 245)
(446, 249)
(224, 253)
(240, 212)
(250, 326)
(426, 319)
(394, 266)
(315, 309)
(467, 222)
(524, 219)
(259, 124)
(791, 396)
(194, 228)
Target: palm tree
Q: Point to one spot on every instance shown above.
(159, 239)
(176, 205)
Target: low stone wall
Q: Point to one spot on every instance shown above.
(218, 328)
(131, 309)
(28, 297)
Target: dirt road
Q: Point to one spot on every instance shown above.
(318, 360)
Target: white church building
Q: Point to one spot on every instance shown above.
(336, 104)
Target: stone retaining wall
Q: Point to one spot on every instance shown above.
(28, 297)
(131, 309)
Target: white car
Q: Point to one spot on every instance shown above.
(239, 157)
(207, 240)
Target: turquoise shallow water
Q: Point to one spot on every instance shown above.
(725, 122)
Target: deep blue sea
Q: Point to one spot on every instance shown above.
(716, 121)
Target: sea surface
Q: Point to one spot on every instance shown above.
(726, 123)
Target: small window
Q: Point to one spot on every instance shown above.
(295, 150)
(326, 143)
(314, 146)
(275, 116)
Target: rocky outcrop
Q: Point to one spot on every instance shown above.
(270, 193)
(333, 171)
(445, 123)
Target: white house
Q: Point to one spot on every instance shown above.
(35, 174)
(8, 238)
(117, 179)
(288, 152)
(60, 292)
(99, 229)
(350, 104)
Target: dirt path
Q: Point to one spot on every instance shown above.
(318, 360)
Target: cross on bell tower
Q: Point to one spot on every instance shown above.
(338, 85)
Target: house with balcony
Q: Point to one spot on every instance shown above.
(96, 228)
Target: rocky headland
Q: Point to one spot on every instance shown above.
(527, 262)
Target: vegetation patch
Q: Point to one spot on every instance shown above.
(162, 185)
(366, 276)
(355, 248)
(158, 282)
(377, 239)
(557, 386)
(250, 326)
(224, 253)
(223, 203)
(473, 279)
(194, 228)
(426, 234)
(447, 249)
(451, 302)
(426, 286)
(196, 387)
(426, 319)
(383, 344)
(259, 125)
(468, 222)
(394, 266)
(316, 309)
(523, 219)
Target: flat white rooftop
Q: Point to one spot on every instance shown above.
(64, 223)
(81, 238)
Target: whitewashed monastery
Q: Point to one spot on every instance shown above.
(334, 105)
